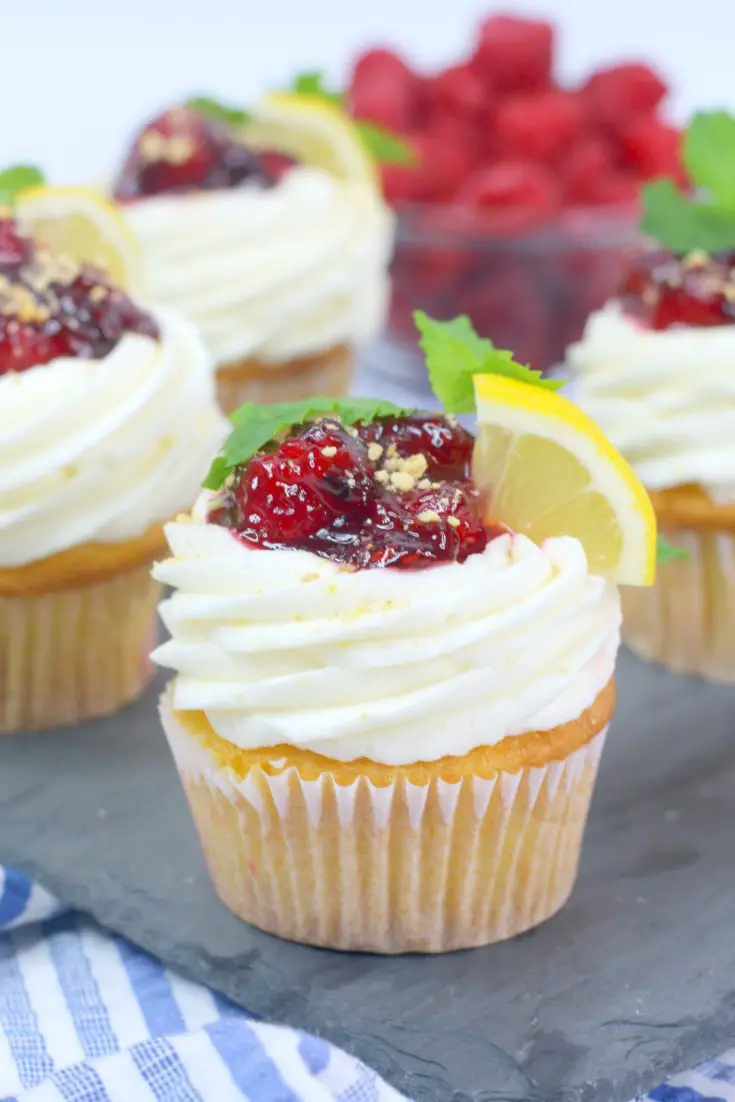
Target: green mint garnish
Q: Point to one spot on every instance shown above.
(666, 552)
(383, 145)
(17, 179)
(256, 426)
(709, 155)
(683, 223)
(222, 112)
(455, 354)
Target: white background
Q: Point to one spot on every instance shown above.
(77, 75)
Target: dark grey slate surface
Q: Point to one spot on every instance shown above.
(634, 979)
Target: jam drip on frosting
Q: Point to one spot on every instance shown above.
(183, 151)
(664, 291)
(394, 492)
(50, 306)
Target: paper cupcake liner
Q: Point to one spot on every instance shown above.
(686, 622)
(392, 869)
(72, 654)
(329, 373)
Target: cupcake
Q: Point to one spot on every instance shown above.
(394, 650)
(655, 369)
(107, 420)
(284, 273)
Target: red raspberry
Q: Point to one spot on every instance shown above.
(383, 90)
(517, 194)
(652, 148)
(615, 95)
(26, 346)
(443, 166)
(459, 90)
(401, 183)
(584, 170)
(465, 535)
(514, 55)
(540, 126)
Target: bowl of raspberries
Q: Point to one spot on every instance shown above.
(521, 201)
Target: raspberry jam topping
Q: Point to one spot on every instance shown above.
(395, 492)
(51, 307)
(184, 150)
(697, 290)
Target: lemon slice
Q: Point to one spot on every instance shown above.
(312, 131)
(81, 223)
(548, 470)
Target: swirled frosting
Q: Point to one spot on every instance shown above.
(666, 398)
(100, 449)
(396, 666)
(271, 274)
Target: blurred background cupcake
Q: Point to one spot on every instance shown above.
(655, 369)
(107, 420)
(281, 261)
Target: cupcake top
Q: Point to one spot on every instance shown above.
(654, 367)
(349, 583)
(107, 411)
(273, 260)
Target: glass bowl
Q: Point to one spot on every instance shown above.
(529, 289)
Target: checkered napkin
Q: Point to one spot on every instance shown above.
(85, 1017)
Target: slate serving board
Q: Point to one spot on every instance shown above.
(634, 979)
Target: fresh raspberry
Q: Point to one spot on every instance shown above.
(540, 125)
(401, 183)
(183, 150)
(614, 96)
(584, 170)
(442, 167)
(445, 444)
(652, 148)
(459, 90)
(514, 55)
(515, 195)
(382, 89)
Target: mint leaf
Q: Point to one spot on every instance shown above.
(255, 426)
(666, 552)
(455, 354)
(221, 112)
(312, 84)
(681, 225)
(709, 155)
(384, 146)
(16, 179)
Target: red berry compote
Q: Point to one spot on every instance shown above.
(50, 306)
(184, 150)
(664, 291)
(395, 492)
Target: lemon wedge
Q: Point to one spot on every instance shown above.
(80, 223)
(548, 470)
(312, 131)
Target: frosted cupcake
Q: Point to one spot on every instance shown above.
(391, 695)
(284, 277)
(107, 417)
(655, 369)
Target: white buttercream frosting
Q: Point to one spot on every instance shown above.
(272, 273)
(101, 449)
(665, 398)
(396, 666)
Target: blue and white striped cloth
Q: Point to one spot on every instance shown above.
(85, 1017)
